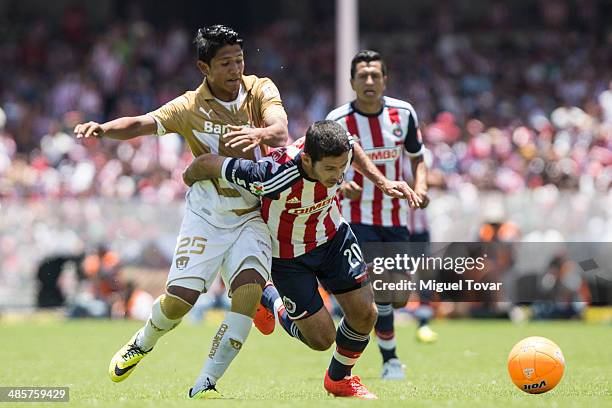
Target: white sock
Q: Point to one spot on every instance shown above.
(157, 325)
(278, 303)
(225, 346)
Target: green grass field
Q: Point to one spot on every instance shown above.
(466, 368)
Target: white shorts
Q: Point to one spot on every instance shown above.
(203, 249)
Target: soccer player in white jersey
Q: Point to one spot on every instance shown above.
(387, 129)
(311, 242)
(238, 116)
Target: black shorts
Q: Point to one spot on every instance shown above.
(420, 237)
(338, 265)
(376, 233)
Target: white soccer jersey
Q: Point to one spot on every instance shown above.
(384, 137)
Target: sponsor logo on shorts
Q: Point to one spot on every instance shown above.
(181, 262)
(217, 340)
(289, 305)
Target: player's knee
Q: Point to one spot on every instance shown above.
(246, 298)
(173, 306)
(322, 341)
(186, 294)
(246, 277)
(368, 315)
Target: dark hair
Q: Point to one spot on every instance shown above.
(211, 39)
(326, 138)
(367, 56)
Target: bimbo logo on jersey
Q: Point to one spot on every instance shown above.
(313, 208)
(384, 154)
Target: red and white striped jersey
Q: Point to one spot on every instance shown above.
(385, 137)
(300, 212)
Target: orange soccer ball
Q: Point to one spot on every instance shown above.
(536, 365)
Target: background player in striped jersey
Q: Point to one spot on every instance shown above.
(418, 228)
(311, 240)
(238, 116)
(387, 129)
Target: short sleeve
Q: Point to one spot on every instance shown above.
(270, 100)
(171, 117)
(413, 142)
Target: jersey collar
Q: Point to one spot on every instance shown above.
(369, 115)
(247, 82)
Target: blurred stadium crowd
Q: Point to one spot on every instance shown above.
(505, 111)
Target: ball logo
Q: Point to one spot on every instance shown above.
(535, 386)
(528, 372)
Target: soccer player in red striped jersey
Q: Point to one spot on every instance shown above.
(418, 227)
(312, 243)
(387, 129)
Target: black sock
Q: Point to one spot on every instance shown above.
(385, 332)
(349, 346)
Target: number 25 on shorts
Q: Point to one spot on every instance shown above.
(191, 245)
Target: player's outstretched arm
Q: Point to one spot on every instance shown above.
(204, 167)
(119, 129)
(396, 189)
(275, 134)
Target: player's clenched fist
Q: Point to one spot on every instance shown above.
(89, 129)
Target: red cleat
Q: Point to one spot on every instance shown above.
(264, 320)
(348, 387)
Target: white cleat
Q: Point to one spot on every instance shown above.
(393, 370)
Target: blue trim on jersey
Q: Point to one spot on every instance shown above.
(261, 178)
